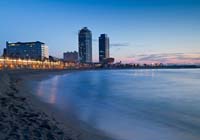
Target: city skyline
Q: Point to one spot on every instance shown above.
(145, 32)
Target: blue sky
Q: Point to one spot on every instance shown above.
(165, 31)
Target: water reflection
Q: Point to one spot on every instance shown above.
(48, 89)
(162, 104)
(53, 90)
(40, 90)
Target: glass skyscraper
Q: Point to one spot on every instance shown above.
(104, 46)
(85, 45)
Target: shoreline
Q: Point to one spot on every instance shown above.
(40, 119)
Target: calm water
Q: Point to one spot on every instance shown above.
(130, 104)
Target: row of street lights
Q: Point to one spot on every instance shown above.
(8, 63)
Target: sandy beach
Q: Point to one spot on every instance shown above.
(24, 117)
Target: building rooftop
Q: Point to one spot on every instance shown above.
(85, 29)
(103, 35)
(26, 42)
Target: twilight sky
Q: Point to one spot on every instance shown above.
(143, 31)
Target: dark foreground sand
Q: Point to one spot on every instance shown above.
(23, 117)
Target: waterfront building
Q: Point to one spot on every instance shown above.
(4, 52)
(27, 50)
(85, 45)
(54, 59)
(104, 47)
(109, 60)
(70, 56)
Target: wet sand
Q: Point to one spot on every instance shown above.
(24, 117)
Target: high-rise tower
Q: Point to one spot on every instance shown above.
(85, 45)
(104, 46)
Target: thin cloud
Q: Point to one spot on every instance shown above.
(169, 57)
(120, 44)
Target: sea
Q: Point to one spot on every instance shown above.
(142, 104)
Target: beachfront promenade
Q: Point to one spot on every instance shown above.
(8, 63)
(33, 64)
